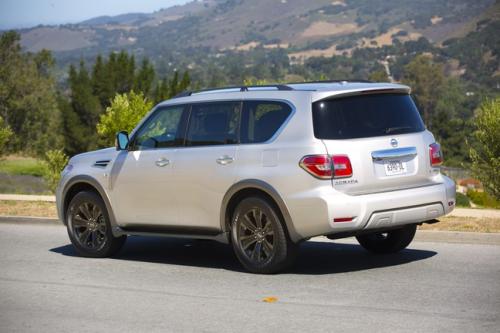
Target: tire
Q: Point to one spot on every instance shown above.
(389, 242)
(259, 238)
(88, 226)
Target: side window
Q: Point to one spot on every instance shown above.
(262, 119)
(213, 124)
(161, 130)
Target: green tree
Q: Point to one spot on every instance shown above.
(74, 134)
(28, 97)
(485, 155)
(426, 79)
(102, 81)
(162, 91)
(125, 111)
(5, 134)
(145, 78)
(85, 106)
(451, 124)
(379, 76)
(185, 82)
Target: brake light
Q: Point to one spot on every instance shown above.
(436, 156)
(326, 167)
(320, 166)
(342, 166)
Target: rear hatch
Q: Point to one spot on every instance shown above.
(383, 136)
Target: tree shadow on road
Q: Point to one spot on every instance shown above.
(314, 257)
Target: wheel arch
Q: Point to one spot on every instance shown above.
(85, 183)
(255, 187)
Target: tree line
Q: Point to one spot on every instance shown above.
(113, 92)
(40, 115)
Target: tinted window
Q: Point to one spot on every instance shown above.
(213, 124)
(161, 130)
(365, 116)
(262, 119)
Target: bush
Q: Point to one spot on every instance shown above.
(462, 200)
(483, 199)
(485, 154)
(125, 112)
(5, 134)
(55, 161)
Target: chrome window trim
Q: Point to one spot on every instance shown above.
(188, 104)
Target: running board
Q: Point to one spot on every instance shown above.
(173, 231)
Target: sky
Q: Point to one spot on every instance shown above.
(28, 13)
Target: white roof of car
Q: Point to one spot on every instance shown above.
(316, 91)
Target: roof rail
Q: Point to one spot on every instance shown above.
(333, 81)
(241, 88)
(276, 86)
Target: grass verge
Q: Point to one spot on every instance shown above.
(17, 165)
(28, 208)
(471, 224)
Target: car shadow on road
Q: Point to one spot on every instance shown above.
(314, 257)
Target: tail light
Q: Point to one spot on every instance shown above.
(342, 166)
(326, 166)
(436, 155)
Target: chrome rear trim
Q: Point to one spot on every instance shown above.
(389, 154)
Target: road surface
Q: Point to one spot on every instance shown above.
(166, 285)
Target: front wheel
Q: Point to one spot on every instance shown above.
(388, 242)
(259, 238)
(89, 228)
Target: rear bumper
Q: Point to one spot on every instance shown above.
(314, 212)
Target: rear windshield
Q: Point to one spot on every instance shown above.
(364, 116)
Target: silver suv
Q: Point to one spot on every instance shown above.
(263, 168)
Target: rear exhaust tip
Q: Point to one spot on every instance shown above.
(430, 221)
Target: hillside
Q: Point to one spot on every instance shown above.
(233, 34)
(297, 24)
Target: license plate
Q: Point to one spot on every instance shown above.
(395, 167)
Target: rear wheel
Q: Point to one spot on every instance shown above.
(388, 242)
(89, 228)
(259, 238)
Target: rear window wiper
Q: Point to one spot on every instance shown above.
(397, 129)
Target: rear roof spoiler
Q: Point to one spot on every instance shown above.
(345, 93)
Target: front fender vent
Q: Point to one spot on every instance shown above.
(101, 164)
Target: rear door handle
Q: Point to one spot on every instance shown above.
(162, 162)
(224, 160)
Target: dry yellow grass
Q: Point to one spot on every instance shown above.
(386, 38)
(472, 224)
(28, 208)
(322, 28)
(303, 55)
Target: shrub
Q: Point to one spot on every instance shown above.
(462, 200)
(125, 112)
(483, 199)
(55, 161)
(485, 155)
(5, 134)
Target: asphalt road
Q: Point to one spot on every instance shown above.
(166, 285)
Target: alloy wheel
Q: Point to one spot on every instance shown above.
(256, 236)
(89, 226)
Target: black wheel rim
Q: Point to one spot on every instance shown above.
(256, 236)
(89, 226)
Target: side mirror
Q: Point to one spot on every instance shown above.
(121, 141)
